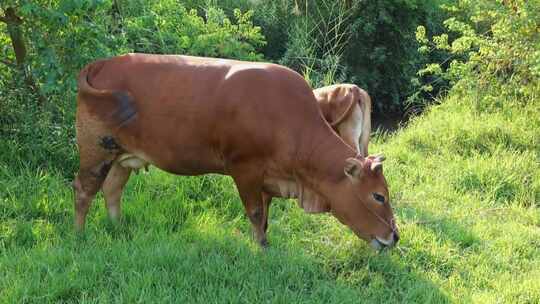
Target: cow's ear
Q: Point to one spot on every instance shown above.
(342, 101)
(376, 164)
(353, 168)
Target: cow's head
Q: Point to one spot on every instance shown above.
(363, 202)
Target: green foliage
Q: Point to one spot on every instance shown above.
(383, 54)
(370, 43)
(317, 40)
(494, 54)
(274, 17)
(167, 27)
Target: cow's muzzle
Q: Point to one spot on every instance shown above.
(378, 243)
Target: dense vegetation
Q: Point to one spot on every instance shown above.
(464, 175)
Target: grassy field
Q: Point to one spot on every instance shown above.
(465, 186)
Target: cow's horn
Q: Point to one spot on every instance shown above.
(380, 157)
(376, 166)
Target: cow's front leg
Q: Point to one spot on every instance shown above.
(266, 200)
(255, 202)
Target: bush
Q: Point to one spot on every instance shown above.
(370, 43)
(383, 55)
(273, 17)
(492, 49)
(317, 39)
(168, 27)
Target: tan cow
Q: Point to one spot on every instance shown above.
(256, 122)
(347, 108)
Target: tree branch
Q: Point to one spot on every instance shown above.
(16, 34)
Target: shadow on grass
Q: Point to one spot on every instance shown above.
(445, 228)
(223, 264)
(209, 266)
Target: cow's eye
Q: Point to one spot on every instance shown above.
(378, 197)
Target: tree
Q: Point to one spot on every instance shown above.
(15, 32)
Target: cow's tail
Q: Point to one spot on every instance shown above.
(365, 105)
(114, 107)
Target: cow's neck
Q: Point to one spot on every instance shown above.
(318, 170)
(321, 168)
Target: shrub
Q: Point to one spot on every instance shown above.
(370, 43)
(168, 27)
(495, 53)
(317, 40)
(383, 55)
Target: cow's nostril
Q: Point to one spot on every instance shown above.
(396, 237)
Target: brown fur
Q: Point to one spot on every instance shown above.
(256, 122)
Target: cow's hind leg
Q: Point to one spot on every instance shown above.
(112, 190)
(94, 167)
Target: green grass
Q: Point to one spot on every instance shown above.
(465, 186)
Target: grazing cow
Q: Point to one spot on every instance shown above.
(347, 108)
(257, 122)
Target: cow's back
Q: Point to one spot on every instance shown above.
(195, 115)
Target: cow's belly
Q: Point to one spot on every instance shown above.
(308, 199)
(131, 161)
(278, 187)
(177, 163)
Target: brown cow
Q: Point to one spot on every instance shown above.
(347, 108)
(256, 122)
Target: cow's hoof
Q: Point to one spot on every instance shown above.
(263, 243)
